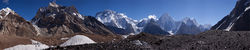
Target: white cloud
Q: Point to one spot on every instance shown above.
(5, 1)
(152, 16)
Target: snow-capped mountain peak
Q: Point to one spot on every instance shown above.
(152, 17)
(165, 23)
(118, 20)
(109, 16)
(6, 11)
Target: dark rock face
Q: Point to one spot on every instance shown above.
(56, 19)
(237, 20)
(96, 27)
(13, 24)
(153, 28)
(209, 40)
(121, 31)
(243, 23)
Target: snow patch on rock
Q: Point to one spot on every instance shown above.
(37, 29)
(125, 36)
(171, 32)
(53, 4)
(247, 8)
(78, 15)
(6, 11)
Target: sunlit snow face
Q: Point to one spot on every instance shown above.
(152, 17)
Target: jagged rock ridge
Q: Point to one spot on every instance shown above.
(57, 19)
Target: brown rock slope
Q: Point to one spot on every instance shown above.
(14, 29)
(13, 24)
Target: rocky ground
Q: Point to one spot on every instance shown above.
(209, 40)
(9, 41)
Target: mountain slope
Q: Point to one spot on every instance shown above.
(14, 29)
(167, 23)
(237, 20)
(58, 20)
(13, 24)
(153, 28)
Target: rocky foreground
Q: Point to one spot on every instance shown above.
(209, 40)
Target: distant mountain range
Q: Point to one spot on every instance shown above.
(55, 22)
(164, 25)
(230, 33)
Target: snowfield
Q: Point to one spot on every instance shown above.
(77, 40)
(34, 46)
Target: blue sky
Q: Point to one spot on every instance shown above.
(204, 11)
